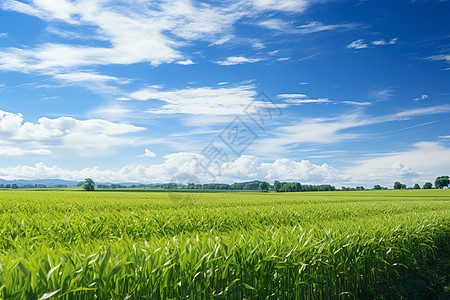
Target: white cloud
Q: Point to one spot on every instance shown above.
(381, 94)
(332, 130)
(358, 44)
(243, 168)
(13, 151)
(3, 34)
(69, 135)
(422, 97)
(237, 60)
(276, 24)
(258, 45)
(282, 5)
(307, 101)
(249, 167)
(410, 166)
(88, 77)
(200, 101)
(383, 42)
(185, 62)
(361, 44)
(291, 96)
(147, 153)
(445, 137)
(135, 32)
(111, 112)
(317, 27)
(431, 110)
(312, 27)
(445, 57)
(357, 103)
(413, 165)
(222, 40)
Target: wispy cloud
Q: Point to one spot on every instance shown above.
(307, 101)
(201, 100)
(335, 129)
(420, 98)
(358, 44)
(282, 5)
(362, 44)
(3, 34)
(381, 94)
(291, 96)
(357, 103)
(383, 42)
(237, 60)
(299, 99)
(445, 57)
(312, 27)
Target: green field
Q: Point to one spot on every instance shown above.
(234, 245)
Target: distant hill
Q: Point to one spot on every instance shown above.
(60, 182)
(47, 182)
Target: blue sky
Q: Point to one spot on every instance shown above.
(141, 90)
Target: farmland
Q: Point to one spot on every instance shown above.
(233, 245)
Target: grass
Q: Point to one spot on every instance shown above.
(245, 245)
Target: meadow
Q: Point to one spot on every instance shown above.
(233, 245)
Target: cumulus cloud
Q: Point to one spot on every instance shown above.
(148, 153)
(409, 166)
(243, 168)
(412, 165)
(64, 133)
(186, 62)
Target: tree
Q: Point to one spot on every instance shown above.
(417, 186)
(89, 184)
(377, 187)
(264, 186)
(441, 182)
(428, 186)
(276, 186)
(398, 186)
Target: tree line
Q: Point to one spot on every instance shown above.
(89, 185)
